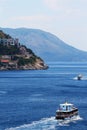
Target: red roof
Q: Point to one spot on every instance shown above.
(4, 61)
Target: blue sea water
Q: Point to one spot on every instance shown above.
(29, 99)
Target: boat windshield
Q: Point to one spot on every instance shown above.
(66, 107)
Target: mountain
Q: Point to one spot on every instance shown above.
(46, 45)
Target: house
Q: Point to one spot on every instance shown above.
(10, 41)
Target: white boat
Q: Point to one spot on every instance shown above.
(66, 110)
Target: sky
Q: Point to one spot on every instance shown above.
(67, 19)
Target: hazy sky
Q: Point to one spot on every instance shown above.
(67, 19)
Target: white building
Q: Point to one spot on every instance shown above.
(10, 41)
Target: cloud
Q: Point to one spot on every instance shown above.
(53, 4)
(60, 5)
(66, 7)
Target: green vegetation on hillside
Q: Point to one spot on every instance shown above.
(8, 50)
(3, 35)
(14, 50)
(23, 61)
(16, 56)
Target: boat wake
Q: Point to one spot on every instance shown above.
(67, 121)
(84, 78)
(47, 124)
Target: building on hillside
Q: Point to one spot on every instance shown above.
(23, 51)
(4, 62)
(10, 41)
(6, 57)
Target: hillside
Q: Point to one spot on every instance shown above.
(14, 56)
(3, 35)
(47, 45)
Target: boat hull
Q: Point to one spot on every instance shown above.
(66, 114)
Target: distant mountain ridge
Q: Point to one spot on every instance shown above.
(46, 45)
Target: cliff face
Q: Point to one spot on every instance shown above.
(14, 56)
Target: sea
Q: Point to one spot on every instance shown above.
(29, 99)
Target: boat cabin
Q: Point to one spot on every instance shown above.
(66, 107)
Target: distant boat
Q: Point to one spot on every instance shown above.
(66, 110)
(79, 77)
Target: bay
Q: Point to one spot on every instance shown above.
(29, 99)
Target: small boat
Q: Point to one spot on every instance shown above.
(66, 110)
(79, 77)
